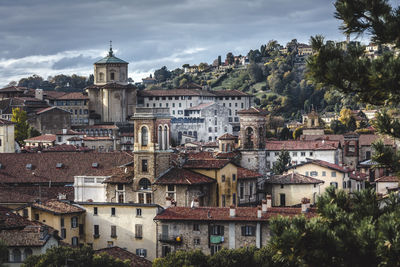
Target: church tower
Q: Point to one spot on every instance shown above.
(152, 153)
(112, 98)
(252, 139)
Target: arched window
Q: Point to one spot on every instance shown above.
(249, 138)
(228, 147)
(166, 138)
(144, 184)
(101, 76)
(17, 255)
(28, 252)
(112, 76)
(145, 136)
(160, 139)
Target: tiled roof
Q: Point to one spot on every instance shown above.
(30, 236)
(227, 136)
(66, 148)
(228, 155)
(301, 145)
(120, 175)
(388, 179)
(42, 138)
(13, 89)
(44, 169)
(293, 178)
(110, 58)
(243, 173)
(58, 207)
(324, 164)
(368, 139)
(253, 111)
(74, 138)
(355, 175)
(122, 254)
(222, 214)
(53, 94)
(73, 95)
(10, 220)
(206, 164)
(183, 177)
(201, 106)
(175, 92)
(48, 109)
(30, 194)
(6, 122)
(200, 155)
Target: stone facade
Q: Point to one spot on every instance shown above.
(50, 120)
(7, 138)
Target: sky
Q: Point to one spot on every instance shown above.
(50, 37)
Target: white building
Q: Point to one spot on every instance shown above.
(90, 188)
(386, 183)
(300, 151)
(7, 138)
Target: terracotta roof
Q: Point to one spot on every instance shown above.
(30, 236)
(6, 122)
(201, 106)
(293, 178)
(222, 214)
(10, 220)
(13, 89)
(253, 111)
(324, 164)
(74, 138)
(355, 175)
(42, 138)
(29, 194)
(122, 254)
(368, 139)
(53, 94)
(120, 175)
(97, 138)
(48, 109)
(227, 155)
(175, 92)
(67, 148)
(73, 95)
(58, 207)
(227, 136)
(243, 173)
(183, 177)
(206, 164)
(199, 155)
(301, 145)
(44, 169)
(388, 179)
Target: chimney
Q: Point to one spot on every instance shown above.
(196, 203)
(168, 202)
(232, 211)
(64, 131)
(264, 205)
(259, 212)
(39, 94)
(305, 204)
(269, 201)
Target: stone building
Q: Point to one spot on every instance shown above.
(50, 120)
(77, 104)
(111, 98)
(7, 137)
(247, 186)
(211, 229)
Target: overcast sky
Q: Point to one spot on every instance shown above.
(49, 37)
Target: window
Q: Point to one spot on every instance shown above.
(63, 233)
(196, 241)
(313, 173)
(141, 198)
(241, 191)
(282, 186)
(36, 216)
(59, 139)
(96, 233)
(25, 213)
(28, 252)
(74, 222)
(334, 184)
(141, 252)
(145, 136)
(148, 198)
(248, 230)
(303, 154)
(144, 165)
(196, 227)
(217, 230)
(138, 231)
(333, 174)
(323, 173)
(210, 129)
(223, 201)
(144, 184)
(95, 211)
(165, 250)
(16, 255)
(276, 153)
(311, 153)
(112, 211)
(283, 199)
(223, 178)
(138, 212)
(113, 231)
(214, 249)
(306, 173)
(251, 189)
(62, 222)
(112, 76)
(233, 177)
(233, 199)
(74, 241)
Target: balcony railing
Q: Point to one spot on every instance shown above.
(173, 239)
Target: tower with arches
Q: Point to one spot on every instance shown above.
(152, 153)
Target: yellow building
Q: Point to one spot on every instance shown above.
(7, 138)
(290, 189)
(224, 172)
(126, 225)
(68, 219)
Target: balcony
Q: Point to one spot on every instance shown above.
(171, 239)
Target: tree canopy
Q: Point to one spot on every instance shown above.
(20, 118)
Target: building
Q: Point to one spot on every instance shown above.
(126, 225)
(7, 137)
(289, 189)
(111, 98)
(211, 229)
(386, 184)
(45, 140)
(50, 120)
(68, 219)
(247, 186)
(123, 254)
(24, 238)
(300, 151)
(77, 104)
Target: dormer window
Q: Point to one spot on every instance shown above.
(95, 165)
(59, 165)
(29, 166)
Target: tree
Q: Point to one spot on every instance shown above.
(255, 73)
(282, 163)
(285, 134)
(71, 256)
(297, 133)
(161, 75)
(338, 127)
(229, 58)
(194, 258)
(219, 61)
(32, 132)
(19, 116)
(345, 116)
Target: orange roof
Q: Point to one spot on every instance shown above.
(244, 173)
(58, 207)
(73, 95)
(183, 177)
(388, 179)
(301, 145)
(206, 163)
(42, 138)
